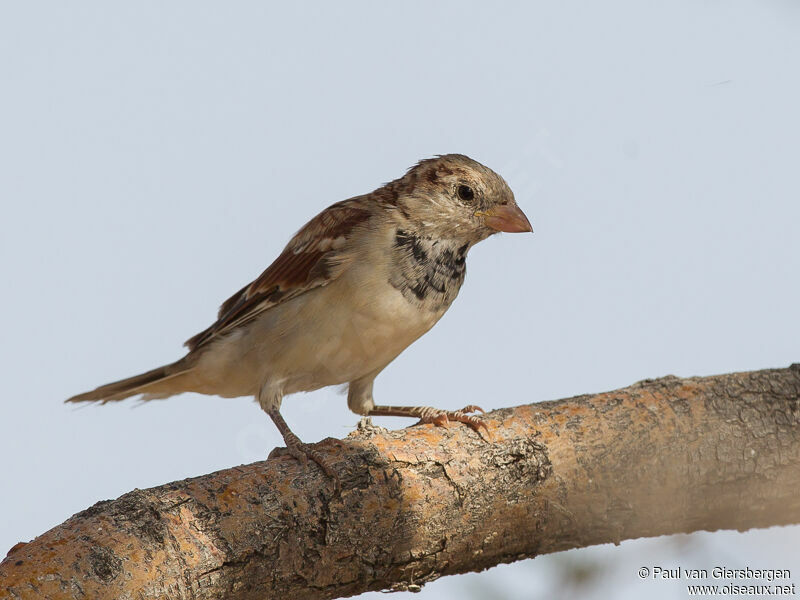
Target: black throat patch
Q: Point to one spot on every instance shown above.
(428, 272)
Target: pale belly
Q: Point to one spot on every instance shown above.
(316, 340)
(347, 342)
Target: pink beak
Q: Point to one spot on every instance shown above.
(508, 218)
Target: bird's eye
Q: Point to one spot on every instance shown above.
(465, 193)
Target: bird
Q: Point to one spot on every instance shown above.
(353, 288)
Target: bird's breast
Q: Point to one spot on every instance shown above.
(427, 271)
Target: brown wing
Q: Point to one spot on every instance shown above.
(309, 260)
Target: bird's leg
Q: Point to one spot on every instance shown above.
(426, 414)
(299, 450)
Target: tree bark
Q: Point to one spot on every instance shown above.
(661, 456)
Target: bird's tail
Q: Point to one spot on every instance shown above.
(159, 383)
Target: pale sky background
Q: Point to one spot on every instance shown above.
(155, 156)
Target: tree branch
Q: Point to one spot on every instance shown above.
(661, 456)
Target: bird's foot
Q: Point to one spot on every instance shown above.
(442, 418)
(302, 452)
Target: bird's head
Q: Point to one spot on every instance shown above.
(455, 197)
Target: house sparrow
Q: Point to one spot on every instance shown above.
(353, 288)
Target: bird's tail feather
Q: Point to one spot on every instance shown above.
(157, 383)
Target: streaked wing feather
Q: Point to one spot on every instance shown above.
(307, 262)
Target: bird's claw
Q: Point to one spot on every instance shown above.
(302, 452)
(444, 417)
